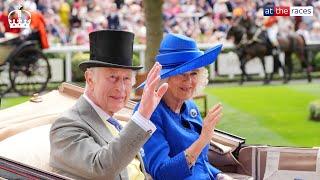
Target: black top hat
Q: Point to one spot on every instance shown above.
(110, 48)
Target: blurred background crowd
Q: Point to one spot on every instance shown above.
(70, 21)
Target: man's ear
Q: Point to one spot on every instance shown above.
(88, 75)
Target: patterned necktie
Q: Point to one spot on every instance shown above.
(115, 123)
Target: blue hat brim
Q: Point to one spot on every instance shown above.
(207, 58)
(179, 57)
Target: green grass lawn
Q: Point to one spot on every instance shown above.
(274, 115)
(7, 102)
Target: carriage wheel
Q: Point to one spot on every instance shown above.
(5, 84)
(29, 71)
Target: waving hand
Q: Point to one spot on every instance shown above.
(151, 95)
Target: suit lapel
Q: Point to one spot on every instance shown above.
(89, 115)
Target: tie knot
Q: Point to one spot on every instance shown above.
(115, 123)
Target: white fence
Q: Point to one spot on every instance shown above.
(228, 63)
(69, 50)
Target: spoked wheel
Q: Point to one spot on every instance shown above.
(29, 71)
(5, 84)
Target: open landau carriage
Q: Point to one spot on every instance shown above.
(23, 66)
(25, 146)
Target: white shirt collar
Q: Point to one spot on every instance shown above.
(103, 115)
(146, 124)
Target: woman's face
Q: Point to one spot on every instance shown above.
(182, 87)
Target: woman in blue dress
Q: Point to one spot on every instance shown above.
(178, 148)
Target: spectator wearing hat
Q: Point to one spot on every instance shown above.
(87, 142)
(178, 148)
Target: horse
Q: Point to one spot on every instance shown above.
(250, 44)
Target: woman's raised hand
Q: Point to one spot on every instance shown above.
(209, 123)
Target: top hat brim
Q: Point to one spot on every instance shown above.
(93, 63)
(207, 58)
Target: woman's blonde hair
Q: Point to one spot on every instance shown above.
(202, 80)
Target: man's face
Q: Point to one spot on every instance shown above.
(109, 88)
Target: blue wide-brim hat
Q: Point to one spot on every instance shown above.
(179, 54)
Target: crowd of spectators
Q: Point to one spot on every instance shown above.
(69, 21)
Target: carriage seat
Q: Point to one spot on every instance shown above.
(31, 147)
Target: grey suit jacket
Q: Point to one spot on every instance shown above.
(83, 148)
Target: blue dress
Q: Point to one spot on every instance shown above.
(164, 152)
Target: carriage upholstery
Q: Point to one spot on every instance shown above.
(29, 147)
(273, 163)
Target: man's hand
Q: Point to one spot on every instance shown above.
(151, 96)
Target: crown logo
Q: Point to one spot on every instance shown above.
(22, 21)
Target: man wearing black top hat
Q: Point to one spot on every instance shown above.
(86, 141)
